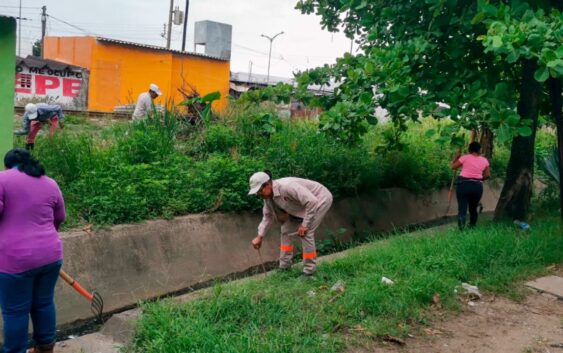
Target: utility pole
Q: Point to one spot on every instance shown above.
(169, 37)
(185, 25)
(43, 29)
(250, 73)
(20, 31)
(271, 39)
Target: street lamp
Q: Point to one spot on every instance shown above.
(271, 39)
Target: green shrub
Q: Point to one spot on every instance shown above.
(224, 182)
(65, 156)
(298, 150)
(219, 138)
(148, 140)
(163, 167)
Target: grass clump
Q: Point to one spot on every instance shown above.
(280, 313)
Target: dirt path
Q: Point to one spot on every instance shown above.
(493, 325)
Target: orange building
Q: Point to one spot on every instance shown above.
(120, 71)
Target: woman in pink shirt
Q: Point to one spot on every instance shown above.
(31, 253)
(469, 190)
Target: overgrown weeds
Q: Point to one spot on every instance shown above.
(165, 166)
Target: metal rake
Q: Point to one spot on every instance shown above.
(95, 299)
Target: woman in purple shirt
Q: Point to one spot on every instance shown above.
(31, 211)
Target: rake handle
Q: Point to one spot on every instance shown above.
(451, 192)
(262, 262)
(77, 287)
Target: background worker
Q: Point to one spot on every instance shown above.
(31, 252)
(299, 205)
(469, 185)
(145, 102)
(35, 116)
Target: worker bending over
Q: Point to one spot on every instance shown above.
(37, 115)
(299, 205)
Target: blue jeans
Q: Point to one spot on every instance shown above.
(29, 293)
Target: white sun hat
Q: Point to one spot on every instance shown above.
(155, 89)
(256, 182)
(31, 110)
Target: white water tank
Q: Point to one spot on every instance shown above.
(216, 37)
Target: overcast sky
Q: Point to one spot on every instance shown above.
(304, 44)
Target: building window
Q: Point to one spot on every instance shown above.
(25, 81)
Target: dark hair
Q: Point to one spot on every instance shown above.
(474, 147)
(269, 173)
(22, 159)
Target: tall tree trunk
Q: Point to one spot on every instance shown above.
(557, 112)
(486, 141)
(516, 194)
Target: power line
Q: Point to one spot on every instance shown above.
(282, 55)
(82, 30)
(70, 24)
(250, 49)
(119, 24)
(287, 61)
(120, 27)
(141, 33)
(23, 7)
(18, 11)
(16, 15)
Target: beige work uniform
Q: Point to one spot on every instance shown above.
(296, 201)
(144, 106)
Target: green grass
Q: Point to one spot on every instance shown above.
(276, 314)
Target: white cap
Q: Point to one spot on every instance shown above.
(155, 89)
(256, 182)
(31, 110)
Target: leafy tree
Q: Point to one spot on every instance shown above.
(532, 40)
(488, 60)
(36, 49)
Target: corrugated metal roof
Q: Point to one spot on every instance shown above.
(155, 47)
(35, 62)
(260, 79)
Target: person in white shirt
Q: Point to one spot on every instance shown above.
(145, 102)
(300, 206)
